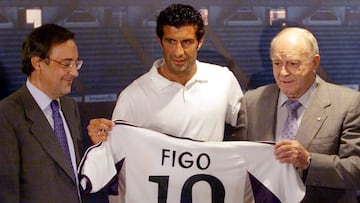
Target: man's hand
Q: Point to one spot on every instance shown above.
(291, 151)
(98, 129)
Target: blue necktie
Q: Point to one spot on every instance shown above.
(291, 126)
(60, 132)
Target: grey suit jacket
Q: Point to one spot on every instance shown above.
(330, 130)
(33, 167)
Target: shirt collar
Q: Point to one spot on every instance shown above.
(40, 97)
(162, 82)
(201, 73)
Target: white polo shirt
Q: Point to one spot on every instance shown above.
(197, 110)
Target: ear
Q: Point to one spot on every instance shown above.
(160, 42)
(316, 61)
(201, 41)
(35, 62)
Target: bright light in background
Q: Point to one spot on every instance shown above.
(277, 14)
(205, 15)
(33, 16)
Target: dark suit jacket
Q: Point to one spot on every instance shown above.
(330, 130)
(33, 167)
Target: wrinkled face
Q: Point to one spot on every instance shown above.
(294, 68)
(180, 48)
(55, 78)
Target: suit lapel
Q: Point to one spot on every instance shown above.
(272, 102)
(315, 115)
(267, 117)
(43, 132)
(73, 125)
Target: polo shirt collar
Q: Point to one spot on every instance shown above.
(160, 82)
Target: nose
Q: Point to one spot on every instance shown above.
(179, 50)
(283, 70)
(74, 72)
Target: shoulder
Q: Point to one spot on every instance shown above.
(13, 108)
(14, 100)
(140, 89)
(213, 72)
(139, 83)
(338, 92)
(263, 91)
(209, 67)
(344, 98)
(260, 97)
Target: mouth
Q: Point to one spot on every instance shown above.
(179, 62)
(287, 81)
(69, 80)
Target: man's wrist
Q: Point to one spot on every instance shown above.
(306, 168)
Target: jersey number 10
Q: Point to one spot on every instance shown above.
(217, 188)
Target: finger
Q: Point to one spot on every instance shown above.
(282, 143)
(106, 123)
(102, 135)
(294, 157)
(93, 125)
(98, 136)
(282, 148)
(99, 124)
(104, 127)
(287, 152)
(281, 155)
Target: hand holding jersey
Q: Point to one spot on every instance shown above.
(170, 169)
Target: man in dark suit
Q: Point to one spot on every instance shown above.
(326, 146)
(33, 164)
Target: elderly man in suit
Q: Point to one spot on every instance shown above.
(323, 141)
(38, 158)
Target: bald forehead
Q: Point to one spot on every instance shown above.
(291, 35)
(297, 40)
(291, 43)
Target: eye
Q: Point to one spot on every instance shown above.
(294, 64)
(170, 41)
(276, 63)
(67, 63)
(188, 41)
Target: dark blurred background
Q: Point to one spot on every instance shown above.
(117, 41)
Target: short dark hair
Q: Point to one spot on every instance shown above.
(178, 15)
(39, 42)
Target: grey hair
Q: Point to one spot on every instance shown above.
(301, 33)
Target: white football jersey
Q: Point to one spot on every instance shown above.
(153, 167)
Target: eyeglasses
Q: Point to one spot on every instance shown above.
(69, 64)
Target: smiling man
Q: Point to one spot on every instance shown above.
(320, 133)
(40, 127)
